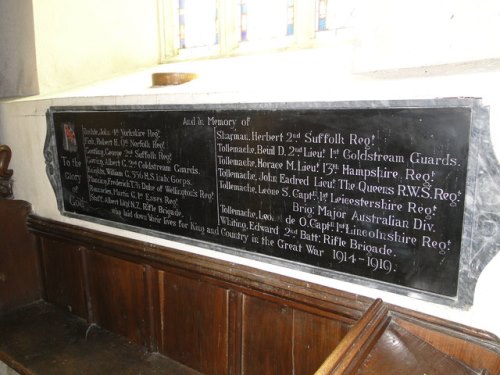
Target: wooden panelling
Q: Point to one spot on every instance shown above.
(19, 266)
(267, 338)
(224, 318)
(235, 332)
(194, 321)
(117, 292)
(63, 275)
(314, 339)
(315, 298)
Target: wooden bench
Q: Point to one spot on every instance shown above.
(43, 339)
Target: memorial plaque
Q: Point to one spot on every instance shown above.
(377, 193)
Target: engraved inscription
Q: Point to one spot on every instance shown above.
(378, 193)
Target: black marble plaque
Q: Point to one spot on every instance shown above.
(373, 192)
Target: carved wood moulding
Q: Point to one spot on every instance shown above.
(5, 172)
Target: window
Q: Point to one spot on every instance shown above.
(321, 15)
(197, 23)
(264, 19)
(208, 28)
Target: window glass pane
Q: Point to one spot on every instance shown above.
(197, 23)
(266, 19)
(324, 15)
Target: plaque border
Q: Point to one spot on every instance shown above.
(481, 213)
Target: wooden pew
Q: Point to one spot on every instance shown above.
(214, 317)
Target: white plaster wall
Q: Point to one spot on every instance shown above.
(222, 81)
(396, 34)
(320, 75)
(78, 42)
(17, 49)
